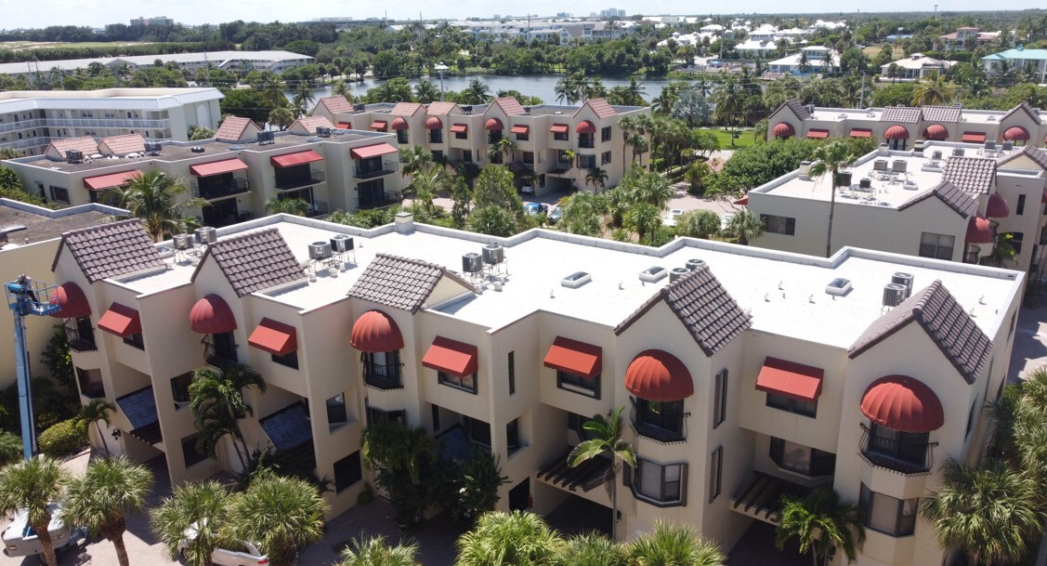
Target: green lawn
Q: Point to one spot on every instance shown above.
(745, 138)
(25, 45)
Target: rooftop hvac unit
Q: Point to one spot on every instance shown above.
(493, 254)
(153, 147)
(893, 294)
(957, 152)
(1008, 146)
(183, 241)
(74, 156)
(880, 165)
(206, 235)
(196, 149)
(937, 156)
(990, 145)
(865, 183)
(266, 138)
(843, 179)
(467, 109)
(899, 165)
(359, 107)
(342, 243)
(472, 263)
(678, 273)
(319, 250)
(695, 264)
(323, 132)
(903, 279)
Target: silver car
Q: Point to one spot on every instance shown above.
(20, 539)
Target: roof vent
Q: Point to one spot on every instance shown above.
(576, 280)
(893, 294)
(838, 287)
(183, 242)
(341, 243)
(695, 264)
(319, 250)
(206, 235)
(493, 254)
(678, 273)
(653, 274)
(196, 149)
(236, 148)
(472, 263)
(903, 279)
(359, 107)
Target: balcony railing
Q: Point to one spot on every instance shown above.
(890, 454)
(317, 208)
(80, 341)
(383, 376)
(389, 200)
(219, 358)
(106, 123)
(655, 430)
(26, 143)
(233, 187)
(315, 177)
(387, 168)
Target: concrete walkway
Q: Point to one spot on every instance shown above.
(1030, 343)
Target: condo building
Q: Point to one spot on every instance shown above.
(559, 145)
(276, 61)
(746, 373)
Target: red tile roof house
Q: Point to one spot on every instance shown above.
(58, 148)
(121, 146)
(235, 129)
(330, 107)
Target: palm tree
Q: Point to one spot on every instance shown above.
(745, 225)
(820, 522)
(934, 91)
(640, 146)
(280, 514)
(393, 446)
(729, 103)
(217, 396)
(569, 89)
(374, 551)
(477, 92)
(281, 117)
(591, 549)
(989, 512)
(830, 159)
(303, 98)
(506, 147)
(414, 159)
(202, 507)
(93, 412)
(596, 177)
(509, 539)
(606, 439)
(153, 197)
(426, 185)
(32, 486)
(341, 88)
(674, 545)
(108, 489)
(9, 153)
(426, 91)
(626, 124)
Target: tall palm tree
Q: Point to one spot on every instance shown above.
(93, 412)
(745, 226)
(820, 522)
(934, 91)
(591, 549)
(374, 551)
(626, 125)
(303, 98)
(281, 117)
(509, 539)
(426, 91)
(729, 103)
(674, 545)
(153, 196)
(280, 514)
(640, 146)
(477, 92)
(99, 500)
(426, 185)
(31, 486)
(829, 159)
(506, 147)
(414, 159)
(989, 512)
(596, 177)
(341, 88)
(606, 440)
(202, 507)
(218, 396)
(393, 446)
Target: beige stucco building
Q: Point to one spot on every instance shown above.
(746, 373)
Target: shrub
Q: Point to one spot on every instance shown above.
(62, 439)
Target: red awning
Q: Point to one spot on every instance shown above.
(379, 125)
(936, 132)
(585, 127)
(783, 130)
(790, 379)
(399, 124)
(218, 167)
(368, 151)
(973, 137)
(520, 130)
(560, 128)
(100, 182)
(979, 230)
(904, 404)
(433, 123)
(493, 124)
(299, 158)
(459, 128)
(744, 201)
(575, 357)
(120, 320)
(376, 332)
(861, 133)
(997, 207)
(896, 133)
(1016, 133)
(451, 356)
(817, 134)
(274, 337)
(656, 375)
(211, 315)
(344, 126)
(72, 301)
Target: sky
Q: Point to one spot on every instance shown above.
(97, 13)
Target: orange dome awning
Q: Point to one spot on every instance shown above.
(493, 124)
(399, 124)
(979, 231)
(936, 132)
(903, 403)
(997, 207)
(433, 123)
(896, 133)
(1016, 133)
(212, 315)
(656, 375)
(376, 332)
(783, 130)
(585, 127)
(71, 298)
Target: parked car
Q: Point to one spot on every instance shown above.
(20, 539)
(555, 214)
(725, 220)
(239, 554)
(670, 219)
(527, 189)
(535, 208)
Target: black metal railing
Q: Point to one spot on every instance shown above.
(221, 190)
(219, 358)
(315, 177)
(901, 457)
(80, 340)
(317, 208)
(389, 199)
(663, 428)
(387, 167)
(383, 376)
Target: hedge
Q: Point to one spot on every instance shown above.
(62, 439)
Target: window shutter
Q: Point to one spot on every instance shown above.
(683, 485)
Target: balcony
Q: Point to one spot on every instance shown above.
(92, 389)
(122, 123)
(315, 177)
(389, 199)
(81, 339)
(219, 357)
(903, 458)
(26, 143)
(383, 376)
(317, 208)
(371, 171)
(663, 426)
(228, 188)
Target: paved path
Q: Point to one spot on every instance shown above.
(1030, 343)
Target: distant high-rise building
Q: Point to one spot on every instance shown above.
(612, 13)
(157, 21)
(564, 15)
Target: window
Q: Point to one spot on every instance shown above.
(467, 156)
(59, 194)
(561, 136)
(528, 158)
(586, 161)
(190, 455)
(401, 137)
(896, 450)
(135, 340)
(778, 224)
(659, 484)
(90, 382)
(382, 369)
(1020, 209)
(660, 420)
(494, 136)
(465, 383)
(576, 423)
(374, 415)
(938, 246)
(289, 359)
(512, 436)
(605, 158)
(180, 389)
(1016, 241)
(605, 134)
(479, 432)
(336, 414)
(81, 335)
(715, 474)
(803, 408)
(512, 373)
(888, 515)
(461, 135)
(436, 417)
(436, 136)
(720, 399)
(347, 472)
(802, 459)
(585, 141)
(523, 137)
(579, 384)
(438, 156)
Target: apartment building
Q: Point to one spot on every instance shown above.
(901, 126)
(747, 373)
(235, 173)
(963, 37)
(276, 61)
(1019, 58)
(544, 137)
(152, 21)
(30, 120)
